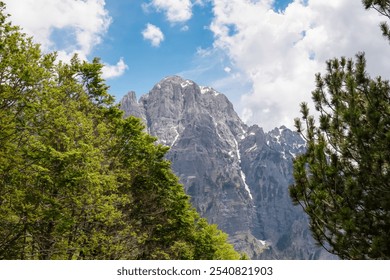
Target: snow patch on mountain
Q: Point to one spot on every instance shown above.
(205, 90)
(186, 83)
(176, 137)
(243, 177)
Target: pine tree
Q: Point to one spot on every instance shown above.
(342, 181)
(383, 8)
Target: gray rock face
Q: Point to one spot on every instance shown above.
(237, 176)
(130, 105)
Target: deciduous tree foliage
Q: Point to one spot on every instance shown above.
(77, 180)
(343, 181)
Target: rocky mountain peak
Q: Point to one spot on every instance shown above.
(237, 176)
(176, 103)
(174, 79)
(130, 106)
(289, 143)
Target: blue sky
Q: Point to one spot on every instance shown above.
(176, 54)
(262, 54)
(148, 64)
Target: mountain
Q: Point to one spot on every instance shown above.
(237, 176)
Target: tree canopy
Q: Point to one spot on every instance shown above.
(77, 180)
(342, 181)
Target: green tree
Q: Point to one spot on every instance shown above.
(164, 222)
(56, 192)
(77, 180)
(23, 73)
(342, 181)
(382, 7)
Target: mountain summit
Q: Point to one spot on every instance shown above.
(237, 176)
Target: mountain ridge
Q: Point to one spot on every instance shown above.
(237, 176)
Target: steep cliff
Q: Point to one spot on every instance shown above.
(237, 176)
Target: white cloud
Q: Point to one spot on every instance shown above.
(185, 28)
(84, 21)
(113, 71)
(153, 34)
(176, 11)
(87, 21)
(281, 52)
